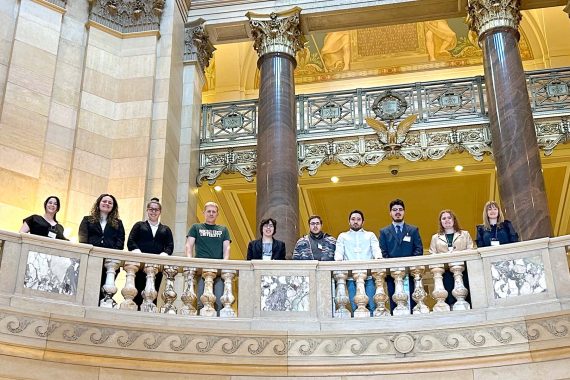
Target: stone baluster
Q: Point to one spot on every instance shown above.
(169, 295)
(459, 290)
(228, 297)
(189, 297)
(341, 296)
(419, 293)
(380, 296)
(129, 291)
(400, 297)
(360, 298)
(439, 293)
(149, 293)
(208, 298)
(109, 287)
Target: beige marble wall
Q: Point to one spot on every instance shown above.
(29, 73)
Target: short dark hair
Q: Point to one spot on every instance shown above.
(356, 212)
(266, 221)
(314, 217)
(397, 202)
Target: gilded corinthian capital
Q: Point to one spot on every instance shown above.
(277, 32)
(484, 15)
(197, 45)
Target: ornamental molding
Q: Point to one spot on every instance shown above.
(485, 15)
(373, 345)
(56, 5)
(197, 45)
(277, 32)
(354, 151)
(127, 16)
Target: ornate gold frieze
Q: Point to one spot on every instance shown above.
(484, 15)
(127, 16)
(278, 32)
(197, 45)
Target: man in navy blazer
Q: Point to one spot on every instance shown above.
(399, 240)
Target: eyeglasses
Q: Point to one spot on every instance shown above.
(151, 209)
(397, 209)
(315, 223)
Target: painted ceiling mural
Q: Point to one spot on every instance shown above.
(393, 49)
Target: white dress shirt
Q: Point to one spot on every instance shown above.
(357, 245)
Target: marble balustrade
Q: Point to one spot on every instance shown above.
(67, 276)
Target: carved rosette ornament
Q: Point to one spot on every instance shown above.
(278, 32)
(127, 16)
(197, 45)
(484, 15)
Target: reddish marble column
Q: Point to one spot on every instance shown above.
(277, 37)
(277, 174)
(515, 149)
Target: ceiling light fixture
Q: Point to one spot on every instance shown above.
(334, 179)
(458, 168)
(218, 188)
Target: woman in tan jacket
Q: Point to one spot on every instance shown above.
(450, 238)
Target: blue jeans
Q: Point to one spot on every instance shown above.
(369, 289)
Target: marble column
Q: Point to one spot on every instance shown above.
(277, 37)
(198, 51)
(515, 149)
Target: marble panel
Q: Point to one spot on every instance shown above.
(91, 163)
(145, 45)
(28, 99)
(51, 273)
(103, 61)
(285, 293)
(100, 84)
(63, 115)
(88, 182)
(66, 92)
(33, 58)
(70, 52)
(95, 143)
(56, 155)
(26, 78)
(134, 127)
(512, 278)
(158, 130)
(15, 195)
(131, 187)
(39, 14)
(135, 109)
(138, 66)
(98, 105)
(54, 175)
(20, 162)
(128, 167)
(41, 36)
(135, 89)
(131, 147)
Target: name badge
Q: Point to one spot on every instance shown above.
(51, 234)
(319, 246)
(407, 238)
(450, 249)
(495, 242)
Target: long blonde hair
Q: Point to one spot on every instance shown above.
(500, 218)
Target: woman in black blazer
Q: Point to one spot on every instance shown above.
(103, 228)
(150, 236)
(495, 230)
(266, 248)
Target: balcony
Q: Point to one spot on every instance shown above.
(286, 318)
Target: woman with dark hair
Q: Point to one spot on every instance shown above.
(46, 225)
(266, 248)
(103, 228)
(495, 230)
(150, 236)
(451, 238)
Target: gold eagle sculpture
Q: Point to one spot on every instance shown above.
(390, 135)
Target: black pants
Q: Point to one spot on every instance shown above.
(392, 287)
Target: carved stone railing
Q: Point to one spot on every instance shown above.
(332, 128)
(289, 314)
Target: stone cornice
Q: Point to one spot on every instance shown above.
(127, 16)
(485, 15)
(197, 45)
(331, 352)
(56, 5)
(277, 32)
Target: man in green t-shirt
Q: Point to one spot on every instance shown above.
(209, 240)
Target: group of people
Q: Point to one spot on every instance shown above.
(208, 240)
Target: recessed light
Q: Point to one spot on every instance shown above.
(334, 179)
(458, 168)
(218, 188)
